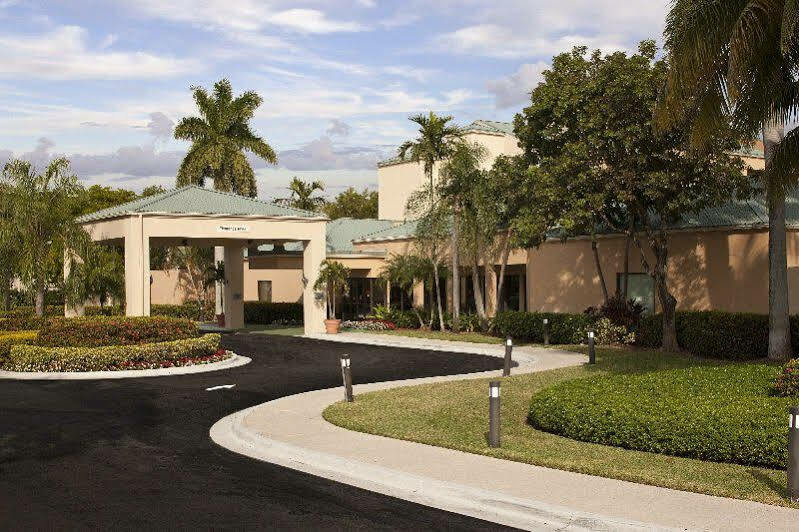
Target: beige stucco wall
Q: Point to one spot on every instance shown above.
(707, 270)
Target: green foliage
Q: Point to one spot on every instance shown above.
(10, 339)
(608, 333)
(22, 322)
(28, 310)
(112, 357)
(529, 326)
(786, 384)
(721, 413)
(333, 277)
(714, 333)
(220, 136)
(352, 204)
(99, 275)
(190, 310)
(98, 197)
(263, 313)
(113, 330)
(302, 195)
(619, 311)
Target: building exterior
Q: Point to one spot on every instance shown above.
(718, 257)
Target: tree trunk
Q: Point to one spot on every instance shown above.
(478, 292)
(779, 331)
(503, 267)
(595, 251)
(667, 300)
(39, 299)
(437, 284)
(456, 280)
(626, 281)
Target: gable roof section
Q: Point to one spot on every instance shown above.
(198, 200)
(402, 231)
(343, 231)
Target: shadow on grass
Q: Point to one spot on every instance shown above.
(769, 482)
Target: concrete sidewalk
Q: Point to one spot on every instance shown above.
(291, 432)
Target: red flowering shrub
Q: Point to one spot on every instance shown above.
(113, 330)
(787, 382)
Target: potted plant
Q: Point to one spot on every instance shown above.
(332, 279)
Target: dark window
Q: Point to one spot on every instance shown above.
(640, 287)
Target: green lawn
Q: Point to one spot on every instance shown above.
(454, 415)
(474, 337)
(277, 331)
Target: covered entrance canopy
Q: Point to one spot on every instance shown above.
(195, 216)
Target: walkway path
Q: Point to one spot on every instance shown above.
(291, 432)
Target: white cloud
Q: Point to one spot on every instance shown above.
(515, 89)
(405, 71)
(398, 19)
(338, 128)
(312, 21)
(63, 53)
(160, 126)
(321, 154)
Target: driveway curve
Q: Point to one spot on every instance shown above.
(135, 453)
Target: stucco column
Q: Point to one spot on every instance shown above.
(418, 295)
(137, 269)
(234, 287)
(491, 290)
(388, 294)
(79, 308)
(314, 308)
(219, 256)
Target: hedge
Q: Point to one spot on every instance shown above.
(10, 339)
(116, 357)
(716, 334)
(187, 310)
(102, 331)
(22, 322)
(49, 310)
(263, 313)
(717, 413)
(529, 326)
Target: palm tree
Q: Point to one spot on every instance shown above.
(40, 207)
(333, 277)
(220, 136)
(436, 142)
(302, 195)
(734, 62)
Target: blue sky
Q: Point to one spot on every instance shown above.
(104, 81)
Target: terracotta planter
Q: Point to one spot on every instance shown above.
(331, 326)
(220, 320)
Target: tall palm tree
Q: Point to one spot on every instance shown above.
(220, 137)
(436, 142)
(302, 195)
(734, 61)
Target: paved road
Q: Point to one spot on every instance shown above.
(135, 453)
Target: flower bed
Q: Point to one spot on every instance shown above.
(104, 331)
(368, 325)
(113, 357)
(10, 339)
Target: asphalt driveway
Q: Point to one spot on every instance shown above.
(135, 453)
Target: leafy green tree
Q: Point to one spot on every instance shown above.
(100, 275)
(333, 277)
(352, 204)
(98, 197)
(8, 256)
(737, 62)
(302, 195)
(398, 270)
(220, 136)
(41, 207)
(607, 164)
(196, 270)
(436, 142)
(152, 190)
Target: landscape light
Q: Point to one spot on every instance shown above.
(346, 375)
(493, 414)
(508, 355)
(793, 453)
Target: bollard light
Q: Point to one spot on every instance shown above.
(546, 331)
(793, 453)
(346, 375)
(508, 354)
(591, 351)
(493, 414)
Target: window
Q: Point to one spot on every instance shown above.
(640, 287)
(265, 291)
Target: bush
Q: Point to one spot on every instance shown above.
(787, 382)
(608, 333)
(369, 325)
(115, 357)
(529, 326)
(721, 413)
(263, 313)
(619, 312)
(102, 331)
(23, 322)
(113, 310)
(10, 339)
(714, 333)
(188, 310)
(27, 310)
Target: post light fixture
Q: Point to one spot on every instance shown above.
(546, 331)
(508, 355)
(346, 375)
(793, 453)
(591, 350)
(493, 414)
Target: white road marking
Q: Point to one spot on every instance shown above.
(220, 387)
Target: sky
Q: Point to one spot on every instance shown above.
(104, 82)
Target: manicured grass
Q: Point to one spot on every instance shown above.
(474, 337)
(277, 331)
(454, 415)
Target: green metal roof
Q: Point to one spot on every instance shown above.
(394, 232)
(342, 232)
(198, 200)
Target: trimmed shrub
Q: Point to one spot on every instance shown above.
(27, 310)
(787, 382)
(187, 310)
(715, 334)
(24, 322)
(114, 357)
(263, 313)
(10, 339)
(102, 331)
(608, 333)
(113, 310)
(722, 413)
(618, 311)
(529, 326)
